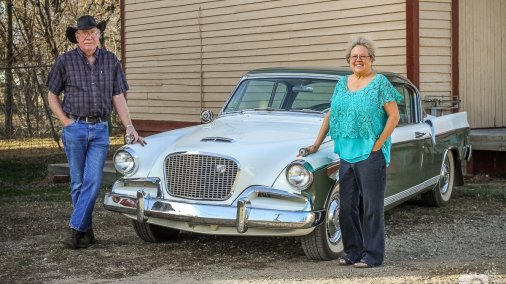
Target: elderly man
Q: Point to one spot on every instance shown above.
(92, 82)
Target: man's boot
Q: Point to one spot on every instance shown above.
(76, 240)
(89, 236)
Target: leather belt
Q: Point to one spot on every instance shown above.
(87, 119)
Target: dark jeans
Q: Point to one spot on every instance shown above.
(362, 190)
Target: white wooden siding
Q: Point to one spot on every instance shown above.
(482, 45)
(184, 56)
(435, 48)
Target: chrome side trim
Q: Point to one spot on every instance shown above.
(411, 191)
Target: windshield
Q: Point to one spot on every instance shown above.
(282, 94)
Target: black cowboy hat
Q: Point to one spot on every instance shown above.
(84, 23)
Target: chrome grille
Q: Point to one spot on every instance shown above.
(200, 176)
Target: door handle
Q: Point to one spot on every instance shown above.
(419, 134)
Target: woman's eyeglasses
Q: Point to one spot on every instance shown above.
(361, 57)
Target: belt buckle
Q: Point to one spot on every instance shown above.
(92, 119)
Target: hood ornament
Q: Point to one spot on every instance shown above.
(220, 169)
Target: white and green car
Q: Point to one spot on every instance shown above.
(240, 173)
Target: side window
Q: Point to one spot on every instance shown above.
(404, 105)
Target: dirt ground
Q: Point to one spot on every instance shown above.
(452, 244)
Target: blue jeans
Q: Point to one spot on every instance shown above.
(362, 219)
(86, 146)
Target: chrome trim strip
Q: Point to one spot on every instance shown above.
(217, 139)
(403, 139)
(411, 191)
(447, 132)
(155, 181)
(302, 75)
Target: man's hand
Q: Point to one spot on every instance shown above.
(67, 122)
(130, 130)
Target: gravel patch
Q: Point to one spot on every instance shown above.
(424, 245)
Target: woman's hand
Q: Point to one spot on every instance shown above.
(313, 149)
(376, 147)
(392, 112)
(308, 150)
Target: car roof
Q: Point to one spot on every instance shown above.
(317, 71)
(336, 71)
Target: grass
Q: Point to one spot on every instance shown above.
(27, 177)
(483, 189)
(26, 170)
(15, 148)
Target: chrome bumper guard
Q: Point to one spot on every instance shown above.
(240, 214)
(468, 152)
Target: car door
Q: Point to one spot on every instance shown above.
(411, 144)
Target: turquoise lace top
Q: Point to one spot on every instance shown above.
(357, 118)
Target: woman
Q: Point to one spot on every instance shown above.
(362, 116)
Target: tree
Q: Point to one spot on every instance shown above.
(9, 59)
(32, 34)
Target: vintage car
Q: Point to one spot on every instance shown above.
(240, 173)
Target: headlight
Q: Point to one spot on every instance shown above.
(124, 162)
(298, 175)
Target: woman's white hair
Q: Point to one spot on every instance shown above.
(363, 42)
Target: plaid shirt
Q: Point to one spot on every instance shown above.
(88, 89)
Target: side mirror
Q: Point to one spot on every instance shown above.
(206, 116)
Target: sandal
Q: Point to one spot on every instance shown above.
(343, 260)
(361, 264)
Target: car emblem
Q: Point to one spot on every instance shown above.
(221, 168)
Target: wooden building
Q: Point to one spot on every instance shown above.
(183, 56)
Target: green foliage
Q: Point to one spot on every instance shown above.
(493, 189)
(27, 177)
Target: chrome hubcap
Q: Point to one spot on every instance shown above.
(445, 177)
(333, 228)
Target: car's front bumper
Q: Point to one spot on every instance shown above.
(240, 214)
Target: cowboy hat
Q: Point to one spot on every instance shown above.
(86, 22)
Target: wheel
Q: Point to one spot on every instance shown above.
(325, 242)
(153, 233)
(440, 195)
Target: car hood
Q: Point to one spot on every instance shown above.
(246, 132)
(262, 145)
